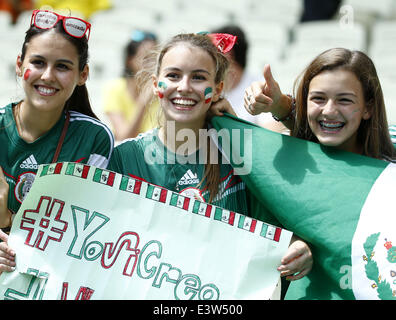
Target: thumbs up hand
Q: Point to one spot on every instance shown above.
(266, 96)
(262, 96)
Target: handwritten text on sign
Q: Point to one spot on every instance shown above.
(88, 233)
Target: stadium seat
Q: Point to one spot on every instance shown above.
(280, 11)
(383, 41)
(312, 38)
(380, 9)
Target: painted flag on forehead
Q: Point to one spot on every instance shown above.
(341, 203)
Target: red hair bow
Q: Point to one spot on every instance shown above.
(223, 41)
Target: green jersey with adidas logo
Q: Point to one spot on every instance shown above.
(87, 141)
(147, 159)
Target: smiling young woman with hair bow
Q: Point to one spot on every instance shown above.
(187, 76)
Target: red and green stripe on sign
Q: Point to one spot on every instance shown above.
(225, 216)
(179, 201)
(156, 193)
(77, 169)
(130, 185)
(53, 168)
(104, 177)
(267, 231)
(247, 223)
(270, 232)
(202, 208)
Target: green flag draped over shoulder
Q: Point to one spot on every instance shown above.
(341, 203)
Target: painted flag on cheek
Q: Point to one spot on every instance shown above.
(208, 95)
(340, 203)
(161, 89)
(27, 74)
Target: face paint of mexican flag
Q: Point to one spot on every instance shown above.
(208, 95)
(161, 88)
(27, 74)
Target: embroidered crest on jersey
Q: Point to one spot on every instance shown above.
(193, 193)
(29, 163)
(23, 185)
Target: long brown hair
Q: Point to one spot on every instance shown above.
(373, 133)
(152, 65)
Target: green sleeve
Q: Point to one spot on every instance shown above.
(115, 163)
(103, 146)
(127, 159)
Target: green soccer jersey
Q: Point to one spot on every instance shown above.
(147, 159)
(87, 141)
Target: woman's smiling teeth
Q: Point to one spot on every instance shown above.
(184, 102)
(331, 125)
(46, 91)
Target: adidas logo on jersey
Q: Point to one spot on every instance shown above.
(188, 178)
(29, 163)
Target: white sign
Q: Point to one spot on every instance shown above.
(88, 233)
